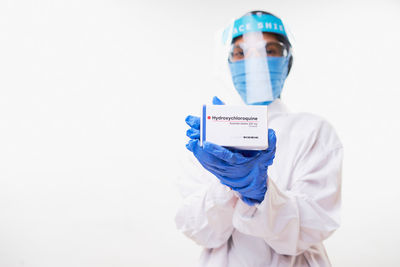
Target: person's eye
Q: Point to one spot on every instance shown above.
(272, 52)
(237, 52)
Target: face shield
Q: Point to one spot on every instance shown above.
(257, 56)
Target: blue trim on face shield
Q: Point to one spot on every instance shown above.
(258, 23)
(278, 70)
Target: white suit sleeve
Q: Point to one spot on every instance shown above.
(208, 206)
(292, 220)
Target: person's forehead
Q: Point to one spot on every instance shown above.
(256, 36)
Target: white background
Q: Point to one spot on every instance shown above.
(93, 96)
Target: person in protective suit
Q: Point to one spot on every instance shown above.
(273, 207)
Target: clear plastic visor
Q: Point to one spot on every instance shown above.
(251, 57)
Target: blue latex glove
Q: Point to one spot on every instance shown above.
(194, 122)
(240, 170)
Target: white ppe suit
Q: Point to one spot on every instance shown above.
(300, 210)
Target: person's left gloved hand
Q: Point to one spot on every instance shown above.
(246, 174)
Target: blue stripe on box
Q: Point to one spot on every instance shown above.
(204, 124)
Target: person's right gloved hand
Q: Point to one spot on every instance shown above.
(194, 121)
(194, 131)
(246, 174)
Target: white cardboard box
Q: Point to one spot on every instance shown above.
(242, 127)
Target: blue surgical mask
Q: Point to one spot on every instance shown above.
(259, 79)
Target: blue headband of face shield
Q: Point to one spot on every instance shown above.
(259, 81)
(253, 23)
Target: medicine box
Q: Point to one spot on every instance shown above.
(242, 127)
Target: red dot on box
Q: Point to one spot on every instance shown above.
(208, 117)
